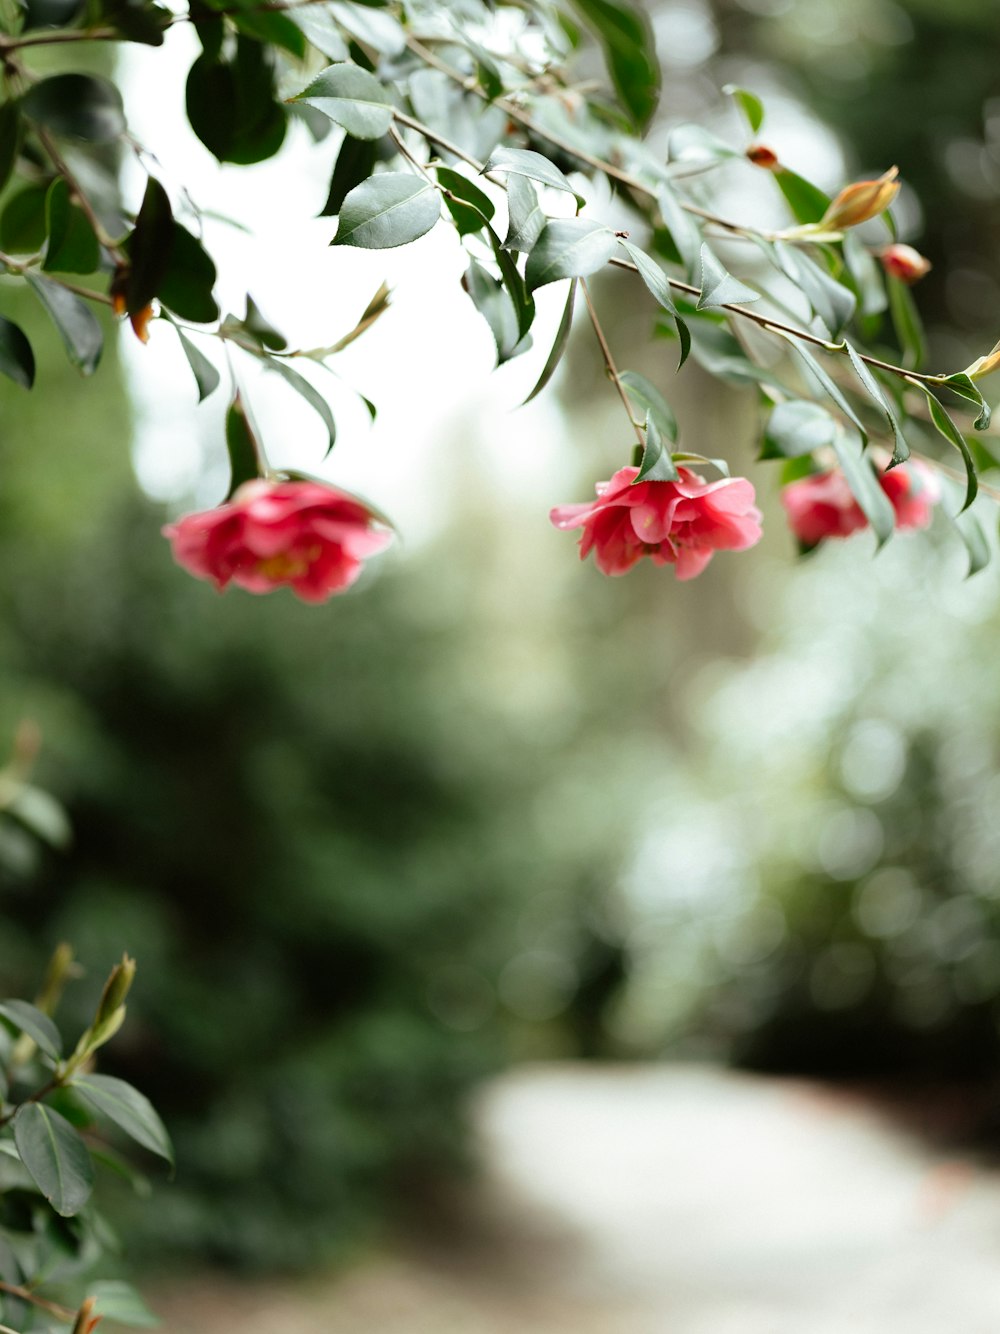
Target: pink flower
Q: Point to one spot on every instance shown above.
(680, 523)
(822, 506)
(904, 262)
(303, 534)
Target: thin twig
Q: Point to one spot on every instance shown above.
(26, 1295)
(609, 362)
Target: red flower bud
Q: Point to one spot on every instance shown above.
(762, 156)
(905, 263)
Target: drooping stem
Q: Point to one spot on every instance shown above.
(609, 363)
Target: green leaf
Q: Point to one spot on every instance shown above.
(524, 304)
(720, 465)
(261, 329)
(352, 98)
(558, 346)
(718, 286)
(205, 374)
(906, 322)
(569, 248)
(682, 228)
(867, 273)
(319, 27)
(186, 286)
(694, 145)
(51, 13)
(832, 303)
(10, 139)
(38, 1026)
(807, 202)
(389, 210)
(129, 1109)
(526, 217)
(72, 246)
(651, 274)
(797, 427)
(966, 388)
(355, 163)
(944, 424)
(749, 103)
(271, 27)
(55, 1156)
(656, 407)
(79, 106)
(374, 27)
(626, 37)
(150, 247)
(526, 162)
(120, 1302)
(77, 326)
(467, 204)
(244, 454)
(970, 530)
(861, 478)
(17, 361)
(901, 449)
(656, 464)
(231, 103)
(137, 21)
(310, 393)
(829, 385)
(22, 226)
(493, 301)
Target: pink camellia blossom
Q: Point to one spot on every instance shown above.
(682, 523)
(822, 506)
(309, 536)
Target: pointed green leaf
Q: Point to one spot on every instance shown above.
(352, 98)
(682, 228)
(310, 394)
(901, 449)
(55, 1156)
(526, 217)
(906, 322)
(954, 436)
(517, 289)
(651, 274)
(17, 361)
(569, 248)
(831, 302)
(77, 326)
(262, 329)
(558, 346)
(468, 206)
(526, 162)
(272, 27)
(205, 374)
(693, 144)
(79, 106)
(965, 387)
(807, 202)
(718, 286)
(863, 481)
(656, 464)
(493, 301)
(150, 247)
(118, 1301)
(656, 407)
(386, 211)
(626, 37)
(129, 1109)
(244, 453)
(683, 456)
(37, 1025)
(187, 284)
(72, 246)
(797, 427)
(320, 28)
(22, 225)
(749, 103)
(831, 387)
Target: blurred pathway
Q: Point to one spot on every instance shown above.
(666, 1200)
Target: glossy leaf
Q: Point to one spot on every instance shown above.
(353, 99)
(491, 298)
(375, 27)
(55, 1156)
(79, 106)
(76, 323)
(317, 23)
(569, 248)
(355, 163)
(17, 361)
(626, 37)
(72, 246)
(273, 27)
(244, 454)
(901, 449)
(807, 202)
(129, 1109)
(515, 285)
(186, 286)
(22, 225)
(797, 427)
(654, 405)
(37, 1025)
(944, 424)
(749, 103)
(308, 391)
(656, 465)
(526, 219)
(150, 247)
(470, 208)
(651, 274)
(861, 478)
(10, 138)
(389, 210)
(558, 345)
(231, 103)
(136, 20)
(830, 386)
(718, 286)
(526, 162)
(205, 374)
(967, 389)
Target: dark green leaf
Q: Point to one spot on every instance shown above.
(656, 464)
(244, 454)
(272, 27)
(353, 99)
(954, 436)
(355, 163)
(525, 162)
(656, 407)
(55, 1156)
(72, 246)
(626, 36)
(494, 303)
(205, 374)
(470, 208)
(80, 106)
(137, 21)
(51, 13)
(386, 211)
(77, 326)
(22, 226)
(718, 286)
(310, 393)
(150, 248)
(901, 449)
(231, 104)
(129, 1109)
(186, 287)
(17, 361)
(749, 103)
(966, 388)
(118, 1301)
(558, 346)
(569, 248)
(524, 303)
(10, 139)
(261, 329)
(861, 478)
(807, 201)
(906, 322)
(830, 386)
(526, 217)
(795, 428)
(38, 1026)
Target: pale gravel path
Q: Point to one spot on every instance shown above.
(666, 1200)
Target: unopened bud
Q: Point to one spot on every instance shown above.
(904, 263)
(116, 988)
(862, 200)
(139, 320)
(86, 1321)
(762, 156)
(984, 365)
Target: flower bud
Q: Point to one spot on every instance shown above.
(862, 200)
(115, 990)
(762, 156)
(984, 365)
(904, 263)
(86, 1321)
